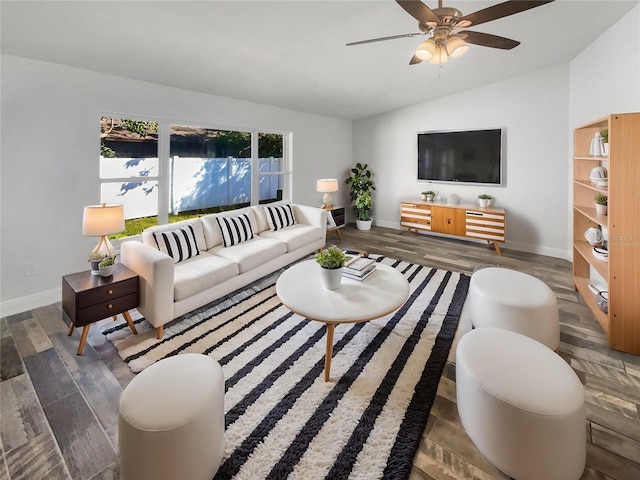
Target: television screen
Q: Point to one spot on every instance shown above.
(472, 156)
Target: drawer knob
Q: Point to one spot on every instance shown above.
(110, 292)
(109, 306)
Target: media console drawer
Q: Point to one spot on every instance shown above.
(458, 220)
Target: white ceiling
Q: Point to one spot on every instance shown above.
(292, 54)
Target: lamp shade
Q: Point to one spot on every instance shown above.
(327, 185)
(426, 49)
(99, 220)
(456, 46)
(440, 56)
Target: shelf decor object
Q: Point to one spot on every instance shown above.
(100, 221)
(326, 186)
(618, 271)
(597, 147)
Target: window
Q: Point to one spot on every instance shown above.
(129, 170)
(270, 166)
(206, 170)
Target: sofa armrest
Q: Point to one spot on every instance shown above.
(314, 216)
(156, 271)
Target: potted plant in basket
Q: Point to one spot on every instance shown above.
(601, 203)
(94, 259)
(332, 262)
(361, 185)
(107, 266)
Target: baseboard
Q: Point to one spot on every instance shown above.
(521, 247)
(19, 305)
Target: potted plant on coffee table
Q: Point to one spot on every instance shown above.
(362, 185)
(331, 261)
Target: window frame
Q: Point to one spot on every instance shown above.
(163, 177)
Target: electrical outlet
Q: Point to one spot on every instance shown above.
(30, 268)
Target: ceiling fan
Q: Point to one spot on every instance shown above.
(442, 25)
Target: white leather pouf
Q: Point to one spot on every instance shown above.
(503, 298)
(171, 422)
(521, 404)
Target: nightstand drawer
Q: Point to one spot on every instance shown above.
(106, 309)
(338, 216)
(106, 293)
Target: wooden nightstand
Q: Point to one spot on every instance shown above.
(336, 220)
(88, 298)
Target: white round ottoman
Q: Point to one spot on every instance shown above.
(503, 298)
(171, 422)
(521, 404)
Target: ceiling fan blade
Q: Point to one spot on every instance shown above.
(419, 11)
(488, 40)
(499, 11)
(414, 60)
(382, 39)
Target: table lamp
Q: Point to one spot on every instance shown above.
(327, 185)
(100, 221)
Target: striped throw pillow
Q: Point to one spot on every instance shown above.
(179, 244)
(280, 217)
(235, 230)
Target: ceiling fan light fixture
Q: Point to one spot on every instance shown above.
(440, 56)
(426, 49)
(456, 47)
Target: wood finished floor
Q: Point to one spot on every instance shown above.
(59, 410)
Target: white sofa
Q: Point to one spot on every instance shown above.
(170, 288)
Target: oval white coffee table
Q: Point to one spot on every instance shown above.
(302, 291)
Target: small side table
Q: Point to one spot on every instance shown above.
(88, 298)
(336, 220)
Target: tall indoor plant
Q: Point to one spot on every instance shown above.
(362, 185)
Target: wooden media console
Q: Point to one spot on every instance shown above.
(459, 220)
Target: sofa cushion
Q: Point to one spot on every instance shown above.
(261, 216)
(252, 253)
(179, 244)
(195, 223)
(280, 217)
(295, 236)
(211, 229)
(234, 230)
(199, 273)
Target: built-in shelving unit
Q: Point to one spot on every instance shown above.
(621, 273)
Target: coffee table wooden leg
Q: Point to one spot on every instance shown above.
(127, 317)
(83, 338)
(329, 351)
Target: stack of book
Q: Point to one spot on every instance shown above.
(359, 268)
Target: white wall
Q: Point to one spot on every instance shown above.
(605, 79)
(50, 147)
(532, 110)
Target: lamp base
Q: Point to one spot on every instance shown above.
(327, 200)
(104, 247)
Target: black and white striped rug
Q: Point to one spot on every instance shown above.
(282, 419)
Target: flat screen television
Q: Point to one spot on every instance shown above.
(473, 156)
